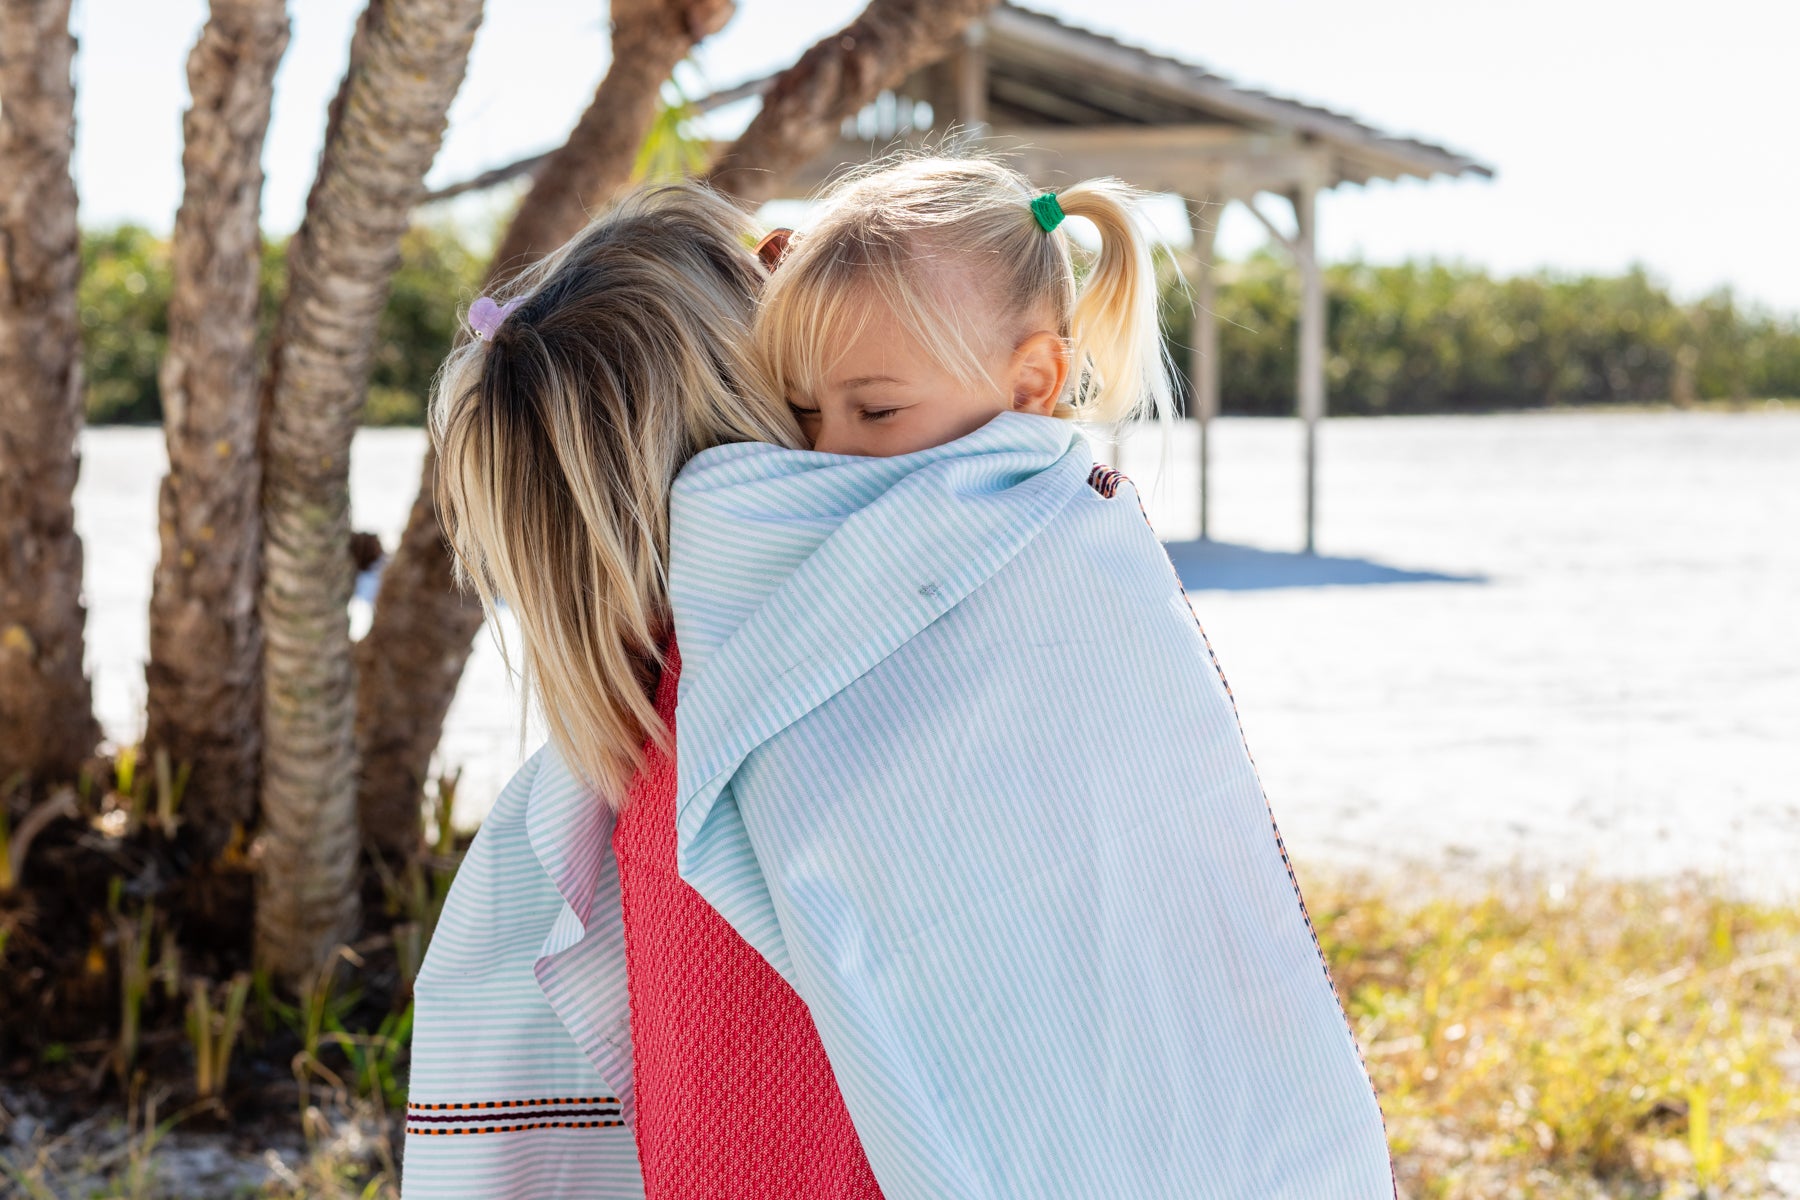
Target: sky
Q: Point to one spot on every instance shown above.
(1655, 132)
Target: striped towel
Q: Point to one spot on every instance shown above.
(521, 1085)
(954, 756)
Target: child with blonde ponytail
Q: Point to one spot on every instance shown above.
(954, 755)
(945, 291)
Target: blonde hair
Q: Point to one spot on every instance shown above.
(558, 438)
(951, 247)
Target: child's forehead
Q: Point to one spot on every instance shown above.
(918, 312)
(926, 283)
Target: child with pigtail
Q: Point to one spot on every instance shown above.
(953, 751)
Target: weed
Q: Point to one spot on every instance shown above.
(319, 1011)
(130, 796)
(409, 952)
(443, 806)
(139, 1176)
(171, 784)
(213, 1034)
(418, 892)
(375, 1057)
(9, 875)
(350, 1158)
(31, 1181)
(168, 966)
(135, 978)
(15, 844)
(270, 1009)
(125, 770)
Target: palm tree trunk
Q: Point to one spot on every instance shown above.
(46, 714)
(205, 641)
(409, 663)
(802, 111)
(406, 62)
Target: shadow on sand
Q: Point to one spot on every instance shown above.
(1228, 567)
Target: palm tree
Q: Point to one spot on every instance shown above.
(46, 716)
(407, 59)
(205, 640)
(831, 83)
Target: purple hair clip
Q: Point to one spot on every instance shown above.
(485, 316)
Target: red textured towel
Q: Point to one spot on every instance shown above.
(735, 1098)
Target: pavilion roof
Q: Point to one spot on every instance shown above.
(1046, 73)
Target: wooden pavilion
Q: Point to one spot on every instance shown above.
(1071, 104)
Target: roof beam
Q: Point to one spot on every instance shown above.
(1028, 97)
(969, 71)
(1190, 160)
(1120, 99)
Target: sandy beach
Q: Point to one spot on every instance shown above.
(1566, 641)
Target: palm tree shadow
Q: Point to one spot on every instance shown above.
(1210, 566)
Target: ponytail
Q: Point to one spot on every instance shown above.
(559, 429)
(887, 231)
(1115, 340)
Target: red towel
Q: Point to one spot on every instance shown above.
(735, 1098)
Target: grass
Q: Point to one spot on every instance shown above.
(1535, 1040)
(1593, 1040)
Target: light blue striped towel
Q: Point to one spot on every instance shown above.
(955, 757)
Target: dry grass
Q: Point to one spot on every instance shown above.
(1586, 1040)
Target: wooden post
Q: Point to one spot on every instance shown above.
(1312, 341)
(969, 72)
(1203, 344)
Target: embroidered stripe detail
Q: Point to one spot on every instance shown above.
(461, 1106)
(479, 1118)
(513, 1116)
(430, 1131)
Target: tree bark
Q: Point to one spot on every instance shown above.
(407, 60)
(424, 627)
(205, 640)
(46, 714)
(831, 82)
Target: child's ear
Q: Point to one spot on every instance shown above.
(1039, 372)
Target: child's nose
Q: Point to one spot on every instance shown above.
(835, 436)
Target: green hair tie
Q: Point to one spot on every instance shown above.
(1048, 211)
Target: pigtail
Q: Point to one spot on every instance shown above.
(1115, 340)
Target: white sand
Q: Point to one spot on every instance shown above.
(1618, 691)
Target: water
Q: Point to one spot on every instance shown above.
(1564, 641)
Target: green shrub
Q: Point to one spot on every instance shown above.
(1414, 338)
(124, 300)
(1432, 337)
